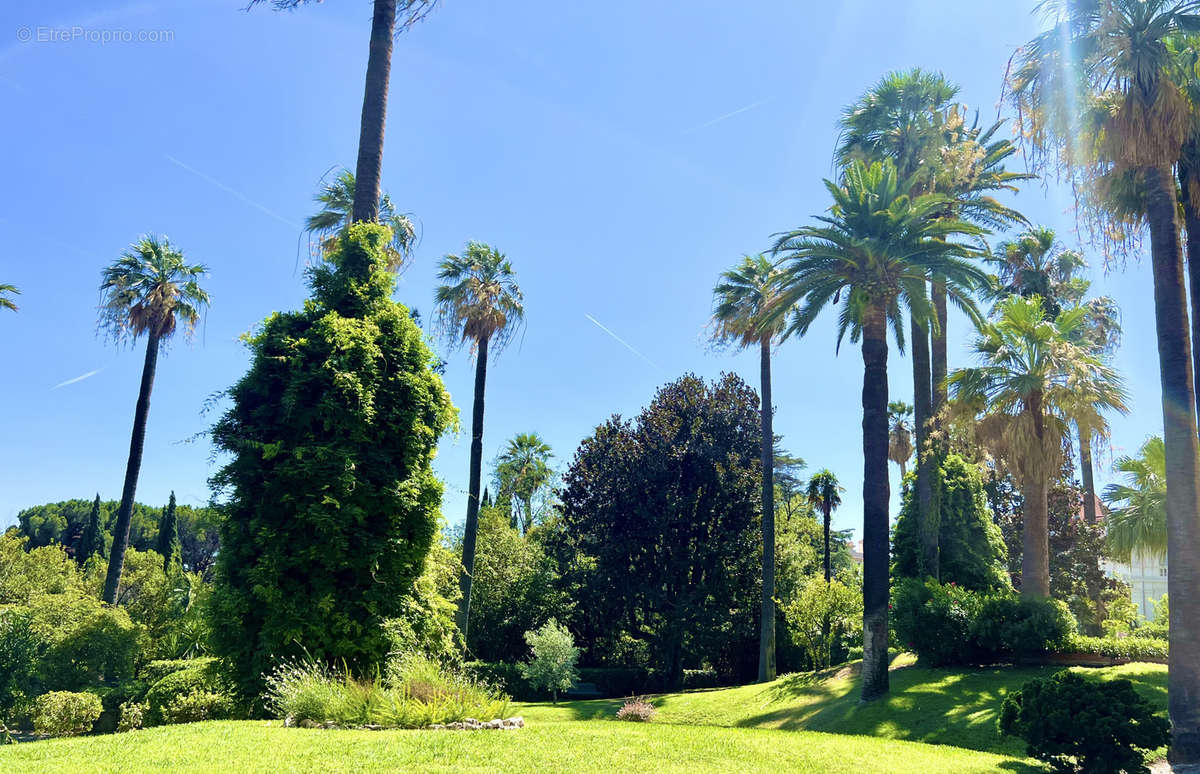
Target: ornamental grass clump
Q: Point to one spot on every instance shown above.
(416, 693)
(636, 710)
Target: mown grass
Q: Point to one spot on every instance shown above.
(251, 747)
(956, 707)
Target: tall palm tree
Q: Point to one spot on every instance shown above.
(478, 303)
(911, 117)
(523, 470)
(152, 291)
(6, 302)
(384, 26)
(1096, 98)
(1034, 383)
(876, 247)
(1137, 518)
(825, 493)
(900, 443)
(744, 314)
(337, 200)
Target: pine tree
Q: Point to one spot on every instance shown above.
(91, 542)
(168, 536)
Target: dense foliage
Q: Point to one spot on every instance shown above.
(972, 552)
(552, 659)
(663, 513)
(1081, 725)
(332, 503)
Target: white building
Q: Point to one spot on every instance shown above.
(1146, 575)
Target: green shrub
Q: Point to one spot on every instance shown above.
(132, 716)
(306, 693)
(1132, 648)
(552, 658)
(505, 678)
(203, 677)
(196, 706)
(1007, 625)
(153, 671)
(946, 624)
(700, 678)
(1081, 725)
(622, 681)
(64, 713)
(20, 647)
(90, 643)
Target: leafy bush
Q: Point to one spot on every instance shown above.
(552, 659)
(700, 678)
(1081, 725)
(415, 696)
(622, 681)
(64, 713)
(133, 714)
(153, 671)
(198, 705)
(1008, 625)
(820, 614)
(636, 710)
(946, 624)
(204, 676)
(1132, 648)
(506, 678)
(19, 652)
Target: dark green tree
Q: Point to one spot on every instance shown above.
(168, 537)
(332, 504)
(91, 540)
(664, 509)
(973, 553)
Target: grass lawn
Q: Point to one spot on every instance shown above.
(554, 746)
(799, 723)
(938, 706)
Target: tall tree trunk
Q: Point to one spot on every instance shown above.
(827, 509)
(940, 364)
(875, 503)
(766, 643)
(1183, 473)
(1189, 178)
(1085, 472)
(922, 417)
(471, 528)
(369, 167)
(116, 560)
(1035, 545)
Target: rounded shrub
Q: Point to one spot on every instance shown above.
(65, 713)
(1007, 625)
(204, 677)
(934, 621)
(1081, 725)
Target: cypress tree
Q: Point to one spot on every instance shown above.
(168, 536)
(91, 542)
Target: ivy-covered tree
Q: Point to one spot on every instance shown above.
(332, 505)
(972, 549)
(91, 540)
(664, 509)
(167, 544)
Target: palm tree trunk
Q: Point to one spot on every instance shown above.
(827, 508)
(116, 560)
(875, 503)
(471, 528)
(766, 641)
(1183, 472)
(369, 167)
(1085, 472)
(940, 363)
(1035, 547)
(922, 415)
(527, 521)
(1189, 177)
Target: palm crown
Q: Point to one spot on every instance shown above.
(5, 301)
(150, 290)
(823, 489)
(744, 300)
(876, 246)
(523, 467)
(1034, 381)
(1138, 508)
(479, 299)
(337, 212)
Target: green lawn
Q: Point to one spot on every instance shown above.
(938, 706)
(548, 747)
(799, 723)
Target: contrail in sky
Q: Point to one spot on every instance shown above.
(719, 119)
(621, 341)
(88, 375)
(229, 190)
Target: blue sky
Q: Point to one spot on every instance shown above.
(621, 154)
